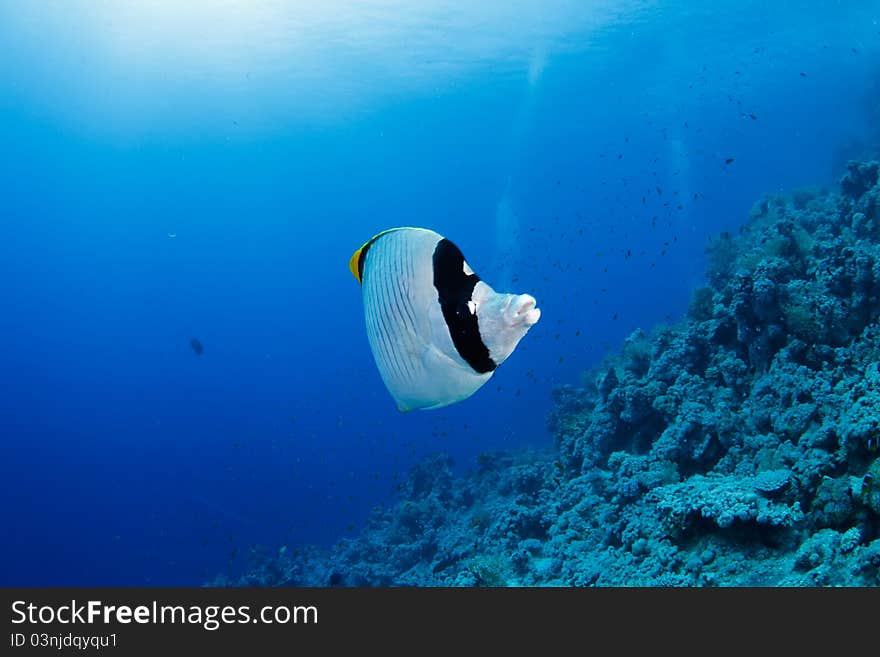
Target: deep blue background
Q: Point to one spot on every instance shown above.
(273, 139)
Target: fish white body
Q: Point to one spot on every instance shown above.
(437, 332)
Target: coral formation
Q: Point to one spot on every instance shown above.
(738, 447)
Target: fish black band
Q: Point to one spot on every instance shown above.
(455, 289)
(363, 257)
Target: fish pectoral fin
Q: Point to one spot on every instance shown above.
(435, 360)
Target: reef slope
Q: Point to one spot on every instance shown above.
(737, 447)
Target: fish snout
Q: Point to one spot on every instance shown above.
(523, 310)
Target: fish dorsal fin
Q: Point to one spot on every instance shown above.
(356, 262)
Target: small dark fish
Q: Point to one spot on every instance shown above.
(728, 160)
(197, 347)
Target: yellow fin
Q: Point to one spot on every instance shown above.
(353, 263)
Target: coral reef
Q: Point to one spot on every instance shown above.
(740, 446)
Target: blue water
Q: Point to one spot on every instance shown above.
(271, 139)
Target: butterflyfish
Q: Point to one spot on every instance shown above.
(436, 330)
